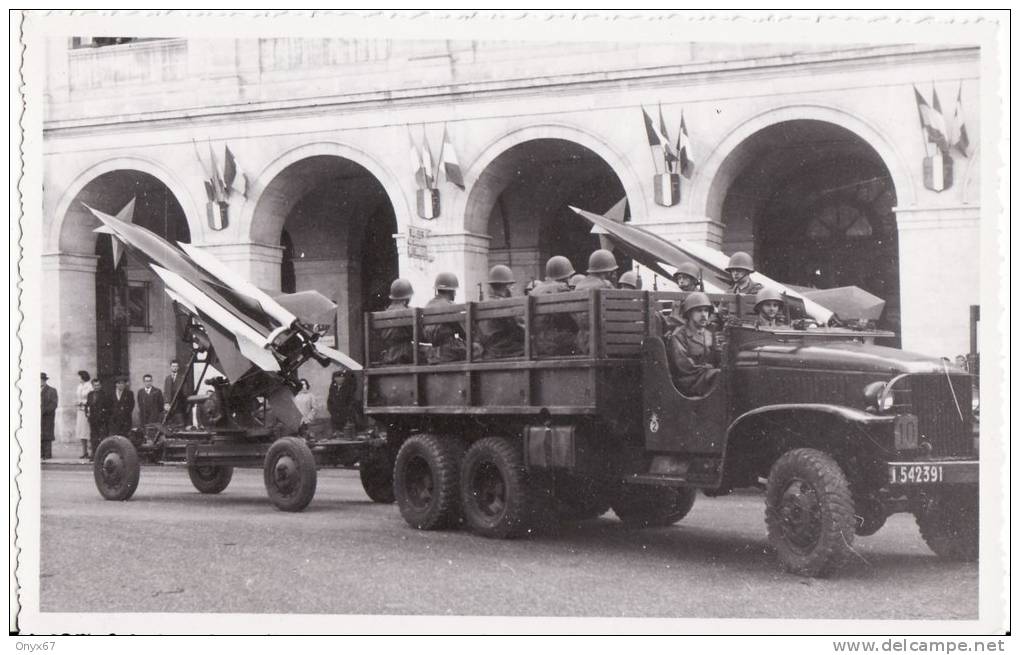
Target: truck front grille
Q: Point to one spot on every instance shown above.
(944, 422)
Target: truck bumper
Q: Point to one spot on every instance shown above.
(929, 473)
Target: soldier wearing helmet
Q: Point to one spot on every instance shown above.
(601, 269)
(630, 280)
(768, 304)
(574, 280)
(447, 339)
(501, 337)
(692, 351)
(555, 334)
(740, 268)
(395, 342)
(688, 277)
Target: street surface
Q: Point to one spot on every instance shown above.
(171, 549)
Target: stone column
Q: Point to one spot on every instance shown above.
(464, 254)
(68, 330)
(939, 277)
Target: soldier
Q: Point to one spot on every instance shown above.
(688, 277)
(555, 334)
(629, 280)
(767, 305)
(447, 339)
(501, 337)
(574, 280)
(396, 341)
(740, 268)
(601, 269)
(692, 351)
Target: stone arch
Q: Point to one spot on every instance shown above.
(77, 237)
(265, 215)
(713, 177)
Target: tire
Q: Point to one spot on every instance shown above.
(652, 507)
(376, 472)
(210, 479)
(949, 525)
(426, 481)
(116, 468)
(290, 474)
(495, 490)
(809, 512)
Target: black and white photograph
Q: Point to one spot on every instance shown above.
(502, 322)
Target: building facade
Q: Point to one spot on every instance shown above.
(810, 158)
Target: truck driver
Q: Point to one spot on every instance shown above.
(396, 341)
(768, 305)
(501, 337)
(692, 351)
(447, 339)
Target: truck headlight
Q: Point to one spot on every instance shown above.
(879, 395)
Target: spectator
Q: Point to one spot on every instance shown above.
(150, 402)
(123, 405)
(81, 421)
(49, 411)
(172, 386)
(341, 403)
(305, 402)
(97, 406)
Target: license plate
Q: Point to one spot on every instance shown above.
(916, 473)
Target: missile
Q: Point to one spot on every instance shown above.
(653, 251)
(244, 323)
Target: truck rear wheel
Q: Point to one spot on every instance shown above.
(116, 468)
(809, 512)
(210, 479)
(643, 506)
(949, 525)
(426, 481)
(376, 471)
(495, 490)
(289, 473)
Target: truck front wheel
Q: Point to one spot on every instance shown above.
(495, 490)
(949, 525)
(809, 512)
(652, 507)
(426, 480)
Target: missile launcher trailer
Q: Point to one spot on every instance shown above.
(840, 432)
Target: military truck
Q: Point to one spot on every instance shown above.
(839, 432)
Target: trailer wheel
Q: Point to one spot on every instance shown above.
(116, 468)
(652, 507)
(210, 479)
(376, 472)
(289, 473)
(809, 512)
(426, 477)
(495, 490)
(949, 525)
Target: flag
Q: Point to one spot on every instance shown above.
(940, 134)
(933, 126)
(451, 165)
(683, 150)
(209, 189)
(654, 142)
(958, 138)
(233, 176)
(667, 145)
(428, 166)
(217, 181)
(417, 166)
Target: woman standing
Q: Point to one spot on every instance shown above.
(81, 421)
(305, 402)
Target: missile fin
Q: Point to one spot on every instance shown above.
(338, 357)
(257, 355)
(281, 404)
(127, 212)
(309, 306)
(180, 300)
(233, 363)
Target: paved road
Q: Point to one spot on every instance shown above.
(171, 549)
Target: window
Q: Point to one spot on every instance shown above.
(136, 307)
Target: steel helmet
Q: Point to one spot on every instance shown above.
(689, 269)
(740, 260)
(401, 290)
(500, 274)
(767, 294)
(446, 282)
(601, 261)
(575, 280)
(558, 268)
(696, 299)
(630, 279)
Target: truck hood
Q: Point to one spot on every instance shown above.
(846, 356)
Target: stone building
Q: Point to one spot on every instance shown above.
(809, 157)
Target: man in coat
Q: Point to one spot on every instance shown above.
(174, 381)
(123, 404)
(341, 402)
(49, 413)
(97, 408)
(150, 402)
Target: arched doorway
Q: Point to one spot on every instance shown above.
(135, 327)
(335, 224)
(523, 198)
(813, 203)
